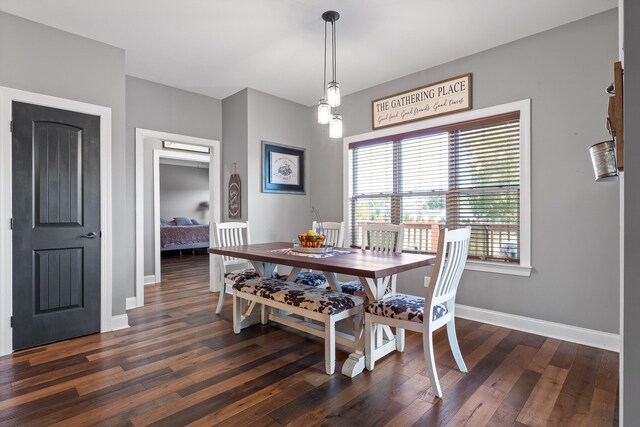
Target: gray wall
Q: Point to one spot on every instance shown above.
(631, 343)
(575, 220)
(182, 189)
(276, 217)
(37, 58)
(234, 149)
(161, 108)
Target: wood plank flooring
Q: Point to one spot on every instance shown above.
(180, 364)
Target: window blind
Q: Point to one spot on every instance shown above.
(467, 174)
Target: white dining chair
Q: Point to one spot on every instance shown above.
(232, 234)
(425, 315)
(334, 235)
(333, 232)
(379, 237)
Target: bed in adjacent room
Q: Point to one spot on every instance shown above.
(183, 233)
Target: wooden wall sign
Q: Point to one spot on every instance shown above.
(235, 211)
(619, 114)
(436, 99)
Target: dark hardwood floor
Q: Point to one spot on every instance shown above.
(181, 364)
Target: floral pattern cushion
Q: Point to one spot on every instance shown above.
(311, 278)
(352, 287)
(307, 297)
(241, 276)
(404, 307)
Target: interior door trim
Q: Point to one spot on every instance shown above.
(7, 97)
(215, 199)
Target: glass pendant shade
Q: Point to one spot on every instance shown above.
(335, 126)
(333, 94)
(324, 112)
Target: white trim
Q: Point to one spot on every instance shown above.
(622, 304)
(119, 322)
(215, 170)
(157, 154)
(7, 96)
(150, 279)
(500, 268)
(524, 107)
(593, 338)
(131, 303)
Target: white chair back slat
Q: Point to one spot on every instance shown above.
(453, 249)
(333, 232)
(382, 237)
(231, 234)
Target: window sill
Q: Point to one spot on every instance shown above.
(500, 268)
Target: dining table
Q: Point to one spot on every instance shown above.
(375, 270)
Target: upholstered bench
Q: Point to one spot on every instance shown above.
(310, 302)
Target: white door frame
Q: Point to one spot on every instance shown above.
(7, 96)
(168, 154)
(215, 171)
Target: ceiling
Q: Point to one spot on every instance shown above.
(217, 47)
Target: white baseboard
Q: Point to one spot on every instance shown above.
(590, 337)
(150, 280)
(119, 322)
(131, 303)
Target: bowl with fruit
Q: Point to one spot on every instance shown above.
(311, 239)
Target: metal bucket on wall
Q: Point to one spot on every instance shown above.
(603, 157)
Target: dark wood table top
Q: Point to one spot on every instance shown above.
(357, 263)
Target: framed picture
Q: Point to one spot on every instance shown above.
(282, 169)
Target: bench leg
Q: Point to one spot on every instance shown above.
(237, 315)
(330, 345)
(264, 314)
(400, 339)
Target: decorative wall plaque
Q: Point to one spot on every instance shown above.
(235, 193)
(436, 99)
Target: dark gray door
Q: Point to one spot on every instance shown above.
(56, 224)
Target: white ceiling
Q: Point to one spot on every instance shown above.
(217, 47)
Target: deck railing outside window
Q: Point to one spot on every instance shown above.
(498, 240)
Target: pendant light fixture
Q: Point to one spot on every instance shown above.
(331, 92)
(324, 109)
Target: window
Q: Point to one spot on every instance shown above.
(464, 174)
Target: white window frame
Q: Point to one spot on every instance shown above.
(524, 107)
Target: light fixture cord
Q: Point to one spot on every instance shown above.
(324, 69)
(333, 47)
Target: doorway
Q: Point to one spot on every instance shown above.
(151, 153)
(181, 206)
(56, 238)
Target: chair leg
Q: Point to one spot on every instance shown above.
(400, 339)
(237, 313)
(330, 346)
(221, 298)
(369, 342)
(264, 314)
(455, 348)
(427, 342)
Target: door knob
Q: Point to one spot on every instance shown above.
(91, 235)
